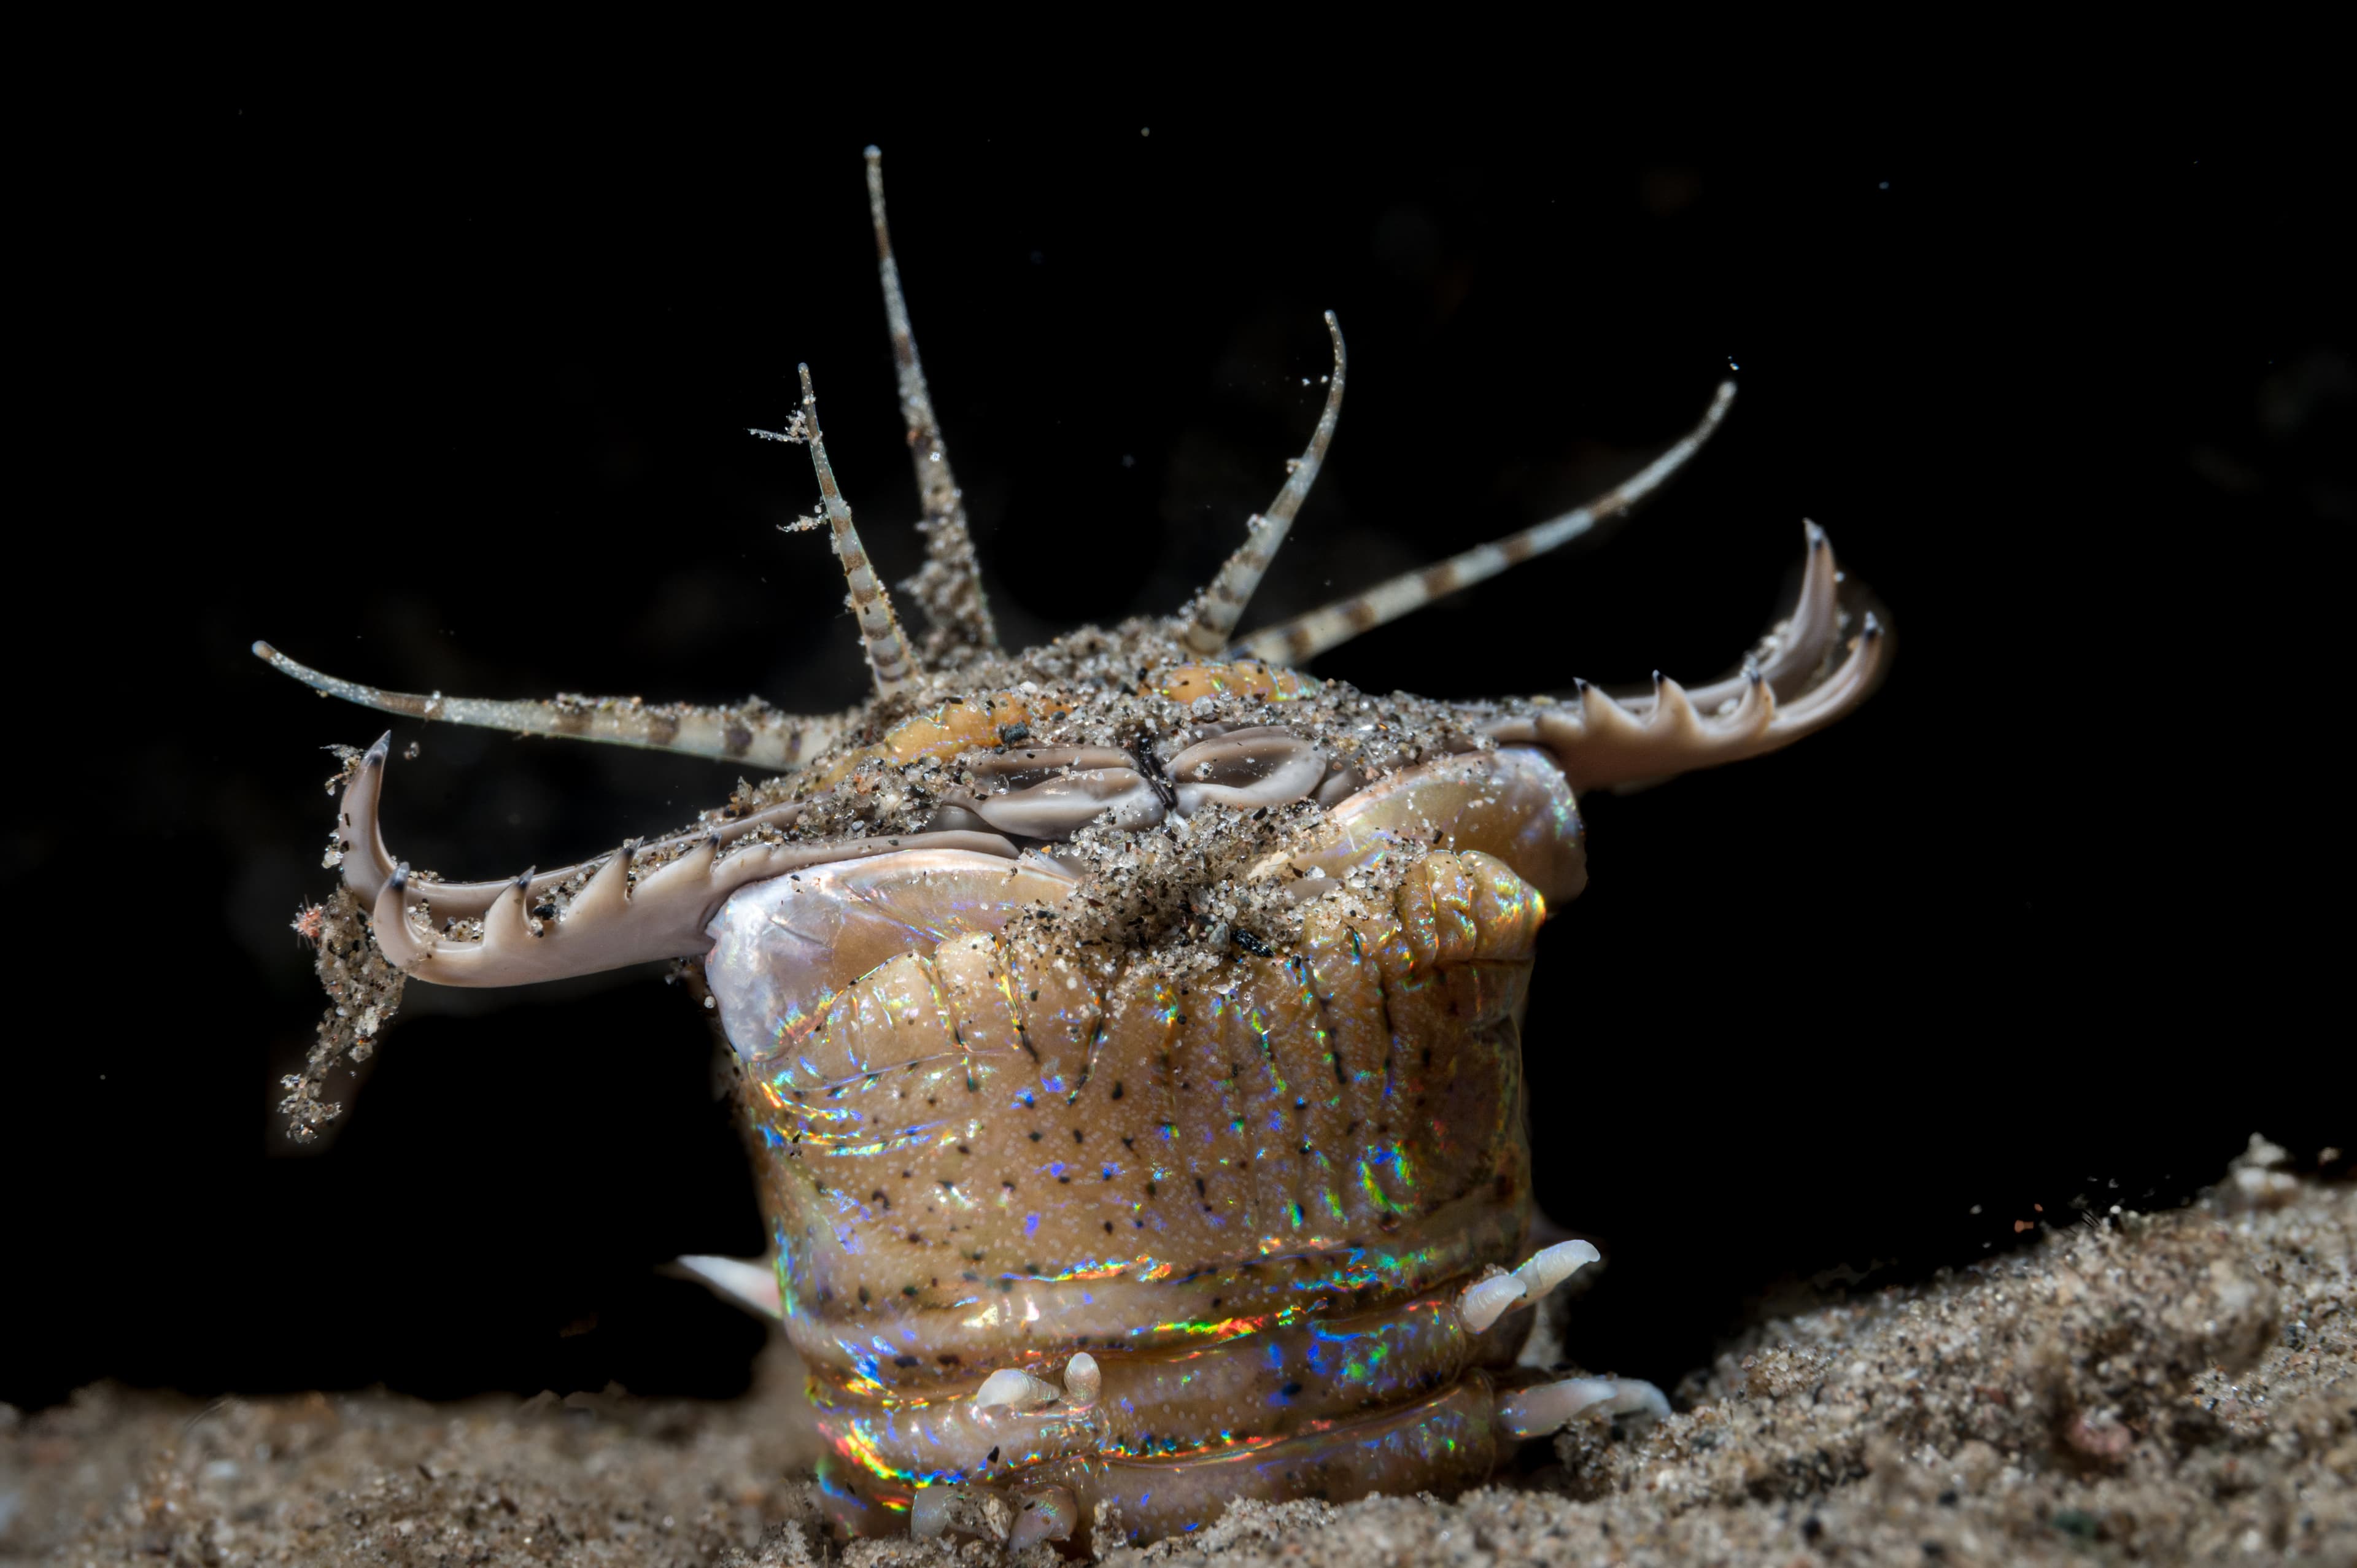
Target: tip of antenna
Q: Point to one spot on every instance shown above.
(803, 371)
(872, 152)
(264, 651)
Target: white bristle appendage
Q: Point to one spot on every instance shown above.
(749, 1283)
(1549, 1407)
(1486, 1300)
(1550, 1266)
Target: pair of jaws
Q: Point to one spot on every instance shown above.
(530, 931)
(1596, 740)
(619, 914)
(655, 901)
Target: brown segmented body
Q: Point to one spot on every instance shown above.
(1129, 1030)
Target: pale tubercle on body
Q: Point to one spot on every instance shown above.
(1137, 1098)
(1549, 1407)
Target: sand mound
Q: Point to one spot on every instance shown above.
(2171, 1388)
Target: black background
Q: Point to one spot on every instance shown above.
(449, 398)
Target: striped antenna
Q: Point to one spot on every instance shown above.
(948, 587)
(1222, 604)
(879, 628)
(752, 732)
(1305, 637)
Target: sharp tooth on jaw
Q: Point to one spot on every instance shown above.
(1673, 715)
(1081, 1380)
(607, 891)
(1017, 1389)
(1550, 1266)
(389, 920)
(1748, 715)
(1486, 1300)
(1601, 716)
(356, 823)
(1801, 641)
(691, 864)
(507, 922)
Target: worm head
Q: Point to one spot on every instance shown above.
(1122, 1025)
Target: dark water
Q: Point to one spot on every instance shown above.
(456, 400)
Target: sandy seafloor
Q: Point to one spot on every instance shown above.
(2180, 1387)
